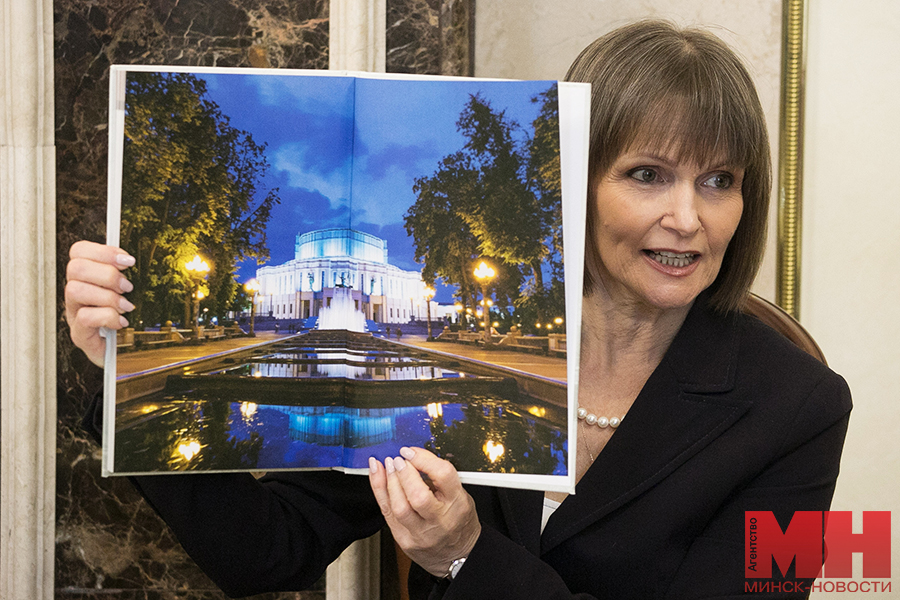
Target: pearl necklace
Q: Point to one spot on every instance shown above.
(601, 422)
(591, 419)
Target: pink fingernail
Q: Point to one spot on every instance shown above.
(125, 285)
(373, 465)
(389, 465)
(407, 453)
(399, 463)
(125, 260)
(123, 321)
(125, 305)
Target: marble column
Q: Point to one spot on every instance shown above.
(356, 574)
(356, 43)
(27, 302)
(357, 35)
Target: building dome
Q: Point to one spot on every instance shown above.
(340, 243)
(326, 260)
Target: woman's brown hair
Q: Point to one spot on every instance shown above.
(654, 84)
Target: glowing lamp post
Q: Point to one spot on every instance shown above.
(484, 273)
(493, 450)
(428, 294)
(197, 268)
(252, 287)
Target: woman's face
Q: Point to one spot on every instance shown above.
(663, 227)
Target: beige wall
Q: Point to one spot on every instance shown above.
(850, 284)
(537, 39)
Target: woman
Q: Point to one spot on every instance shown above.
(719, 415)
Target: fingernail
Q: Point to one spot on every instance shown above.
(373, 465)
(399, 463)
(125, 305)
(125, 260)
(125, 285)
(123, 321)
(407, 453)
(389, 465)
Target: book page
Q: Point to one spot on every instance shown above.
(358, 210)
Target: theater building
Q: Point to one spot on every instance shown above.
(331, 258)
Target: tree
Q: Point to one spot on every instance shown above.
(443, 241)
(191, 183)
(495, 198)
(503, 213)
(544, 176)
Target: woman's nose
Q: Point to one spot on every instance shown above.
(681, 214)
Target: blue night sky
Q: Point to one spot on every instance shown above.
(402, 133)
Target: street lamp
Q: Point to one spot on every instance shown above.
(484, 273)
(197, 268)
(428, 294)
(252, 287)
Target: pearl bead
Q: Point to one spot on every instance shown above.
(601, 422)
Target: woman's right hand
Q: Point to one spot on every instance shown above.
(94, 288)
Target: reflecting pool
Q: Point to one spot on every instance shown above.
(298, 405)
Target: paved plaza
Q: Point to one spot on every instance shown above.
(543, 366)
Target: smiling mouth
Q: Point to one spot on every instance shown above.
(673, 259)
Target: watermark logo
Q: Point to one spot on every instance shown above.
(819, 544)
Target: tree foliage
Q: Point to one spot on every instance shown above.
(191, 184)
(498, 197)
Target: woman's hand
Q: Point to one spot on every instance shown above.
(433, 525)
(94, 288)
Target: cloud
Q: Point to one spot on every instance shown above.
(318, 94)
(414, 160)
(305, 172)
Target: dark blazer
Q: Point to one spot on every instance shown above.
(735, 418)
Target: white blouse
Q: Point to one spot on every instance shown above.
(550, 507)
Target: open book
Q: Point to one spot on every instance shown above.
(333, 265)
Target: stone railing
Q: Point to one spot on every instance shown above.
(129, 339)
(553, 344)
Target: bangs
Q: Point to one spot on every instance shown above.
(688, 134)
(674, 103)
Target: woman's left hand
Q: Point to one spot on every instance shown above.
(433, 525)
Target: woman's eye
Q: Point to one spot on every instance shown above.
(644, 175)
(721, 181)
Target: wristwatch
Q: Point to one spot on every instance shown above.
(455, 566)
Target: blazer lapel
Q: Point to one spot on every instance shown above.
(672, 418)
(522, 511)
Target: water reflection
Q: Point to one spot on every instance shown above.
(344, 370)
(254, 416)
(216, 435)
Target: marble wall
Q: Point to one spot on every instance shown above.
(431, 37)
(109, 544)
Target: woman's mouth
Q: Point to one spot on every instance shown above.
(672, 259)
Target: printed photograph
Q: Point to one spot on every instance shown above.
(331, 267)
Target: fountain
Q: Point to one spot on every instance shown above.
(342, 313)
